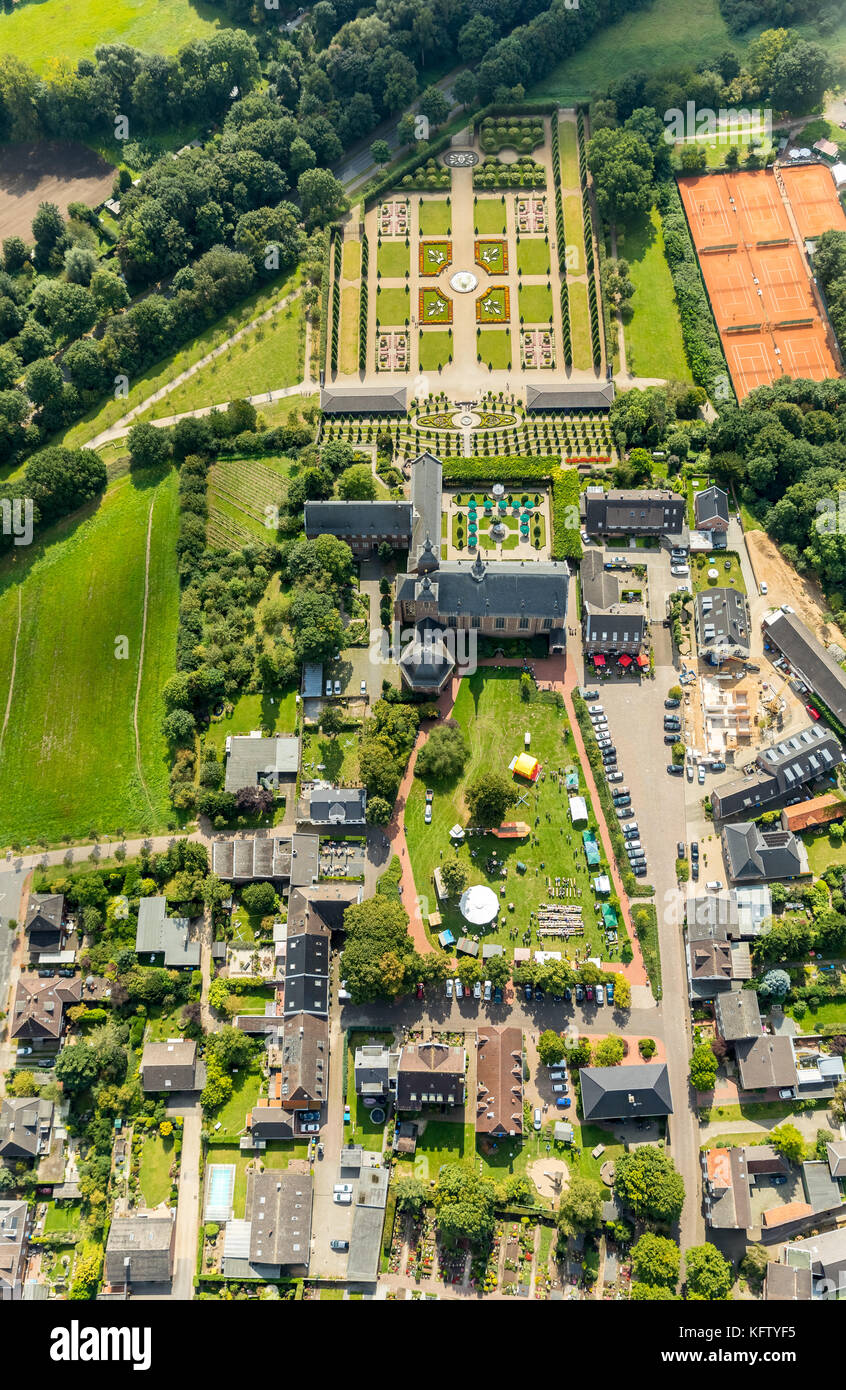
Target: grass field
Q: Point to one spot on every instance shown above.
(730, 578)
(67, 762)
(392, 308)
(435, 349)
(361, 1129)
(245, 1091)
(435, 218)
(580, 324)
(392, 259)
(494, 345)
(568, 144)
(240, 492)
(348, 341)
(574, 234)
(489, 216)
(351, 260)
(339, 756)
(170, 367)
(266, 359)
(823, 1015)
(535, 304)
(533, 256)
(494, 720)
(37, 32)
(255, 712)
(669, 33)
(154, 1174)
(653, 337)
(822, 854)
(58, 1219)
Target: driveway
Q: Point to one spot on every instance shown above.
(188, 1207)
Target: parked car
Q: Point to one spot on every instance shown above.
(309, 1129)
(633, 849)
(675, 769)
(459, 988)
(671, 702)
(609, 755)
(339, 1245)
(557, 1071)
(694, 869)
(694, 849)
(590, 694)
(563, 1102)
(347, 1116)
(718, 766)
(343, 1187)
(584, 537)
(568, 995)
(631, 832)
(589, 993)
(690, 772)
(538, 1119)
(497, 997)
(477, 989)
(539, 995)
(328, 687)
(559, 1090)
(639, 870)
(419, 989)
(681, 850)
(427, 814)
(624, 813)
(320, 1150)
(449, 989)
(672, 721)
(24, 1052)
(600, 994)
(343, 1198)
(596, 709)
(701, 775)
(363, 687)
(430, 795)
(604, 742)
(764, 588)
(488, 990)
(786, 1093)
(609, 990)
(814, 713)
(337, 687)
(527, 994)
(714, 885)
(309, 1114)
(614, 776)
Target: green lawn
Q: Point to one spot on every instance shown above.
(435, 349)
(491, 308)
(653, 336)
(490, 256)
(535, 304)
(574, 232)
(252, 1001)
(441, 1141)
(822, 854)
(568, 144)
(392, 259)
(170, 367)
(392, 308)
(162, 1023)
(435, 217)
(824, 1015)
(61, 1218)
(351, 260)
(533, 256)
(255, 712)
(494, 719)
(81, 589)
(266, 359)
(338, 756)
(730, 578)
(156, 1158)
(580, 324)
(232, 1116)
(361, 1129)
(494, 345)
(489, 216)
(350, 323)
(38, 33)
(675, 34)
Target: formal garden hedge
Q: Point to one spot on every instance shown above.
(523, 173)
(566, 335)
(336, 302)
(699, 331)
(521, 133)
(362, 306)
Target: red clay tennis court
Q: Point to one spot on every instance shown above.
(751, 360)
(813, 198)
(724, 209)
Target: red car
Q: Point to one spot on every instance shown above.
(589, 993)
(419, 989)
(814, 713)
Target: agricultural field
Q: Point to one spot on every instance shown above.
(79, 590)
(494, 720)
(243, 494)
(268, 358)
(65, 29)
(52, 171)
(653, 335)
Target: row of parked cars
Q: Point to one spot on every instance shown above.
(491, 993)
(620, 795)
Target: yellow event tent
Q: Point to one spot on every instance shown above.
(526, 766)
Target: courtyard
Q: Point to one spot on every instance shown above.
(553, 868)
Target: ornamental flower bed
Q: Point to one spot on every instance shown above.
(434, 257)
(433, 307)
(494, 306)
(492, 255)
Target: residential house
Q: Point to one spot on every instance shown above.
(756, 855)
(25, 1127)
(737, 1015)
(292, 859)
(169, 937)
(765, 1063)
(723, 625)
(332, 806)
(43, 927)
(626, 1093)
(783, 1283)
(818, 1074)
(15, 1222)
(268, 1122)
(824, 1257)
(38, 1010)
(363, 525)
(369, 1202)
(610, 625)
(780, 772)
(430, 1074)
(808, 659)
(499, 1082)
(304, 1062)
(745, 912)
(634, 512)
(140, 1249)
(714, 962)
(307, 969)
(836, 1153)
(820, 810)
(279, 1207)
(375, 1073)
(255, 761)
(711, 509)
(170, 1066)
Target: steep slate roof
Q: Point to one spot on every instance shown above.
(499, 1081)
(169, 1066)
(162, 935)
(738, 1015)
(610, 1093)
(337, 805)
(251, 762)
(280, 1217)
(426, 488)
(44, 921)
(307, 970)
(727, 1203)
(426, 658)
(25, 1125)
(38, 1009)
(727, 612)
(342, 519)
(363, 400)
(430, 1073)
(709, 505)
(755, 855)
(564, 396)
(765, 1062)
(139, 1249)
(304, 1061)
(621, 509)
(13, 1244)
(782, 771)
(809, 657)
(505, 588)
(270, 1121)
